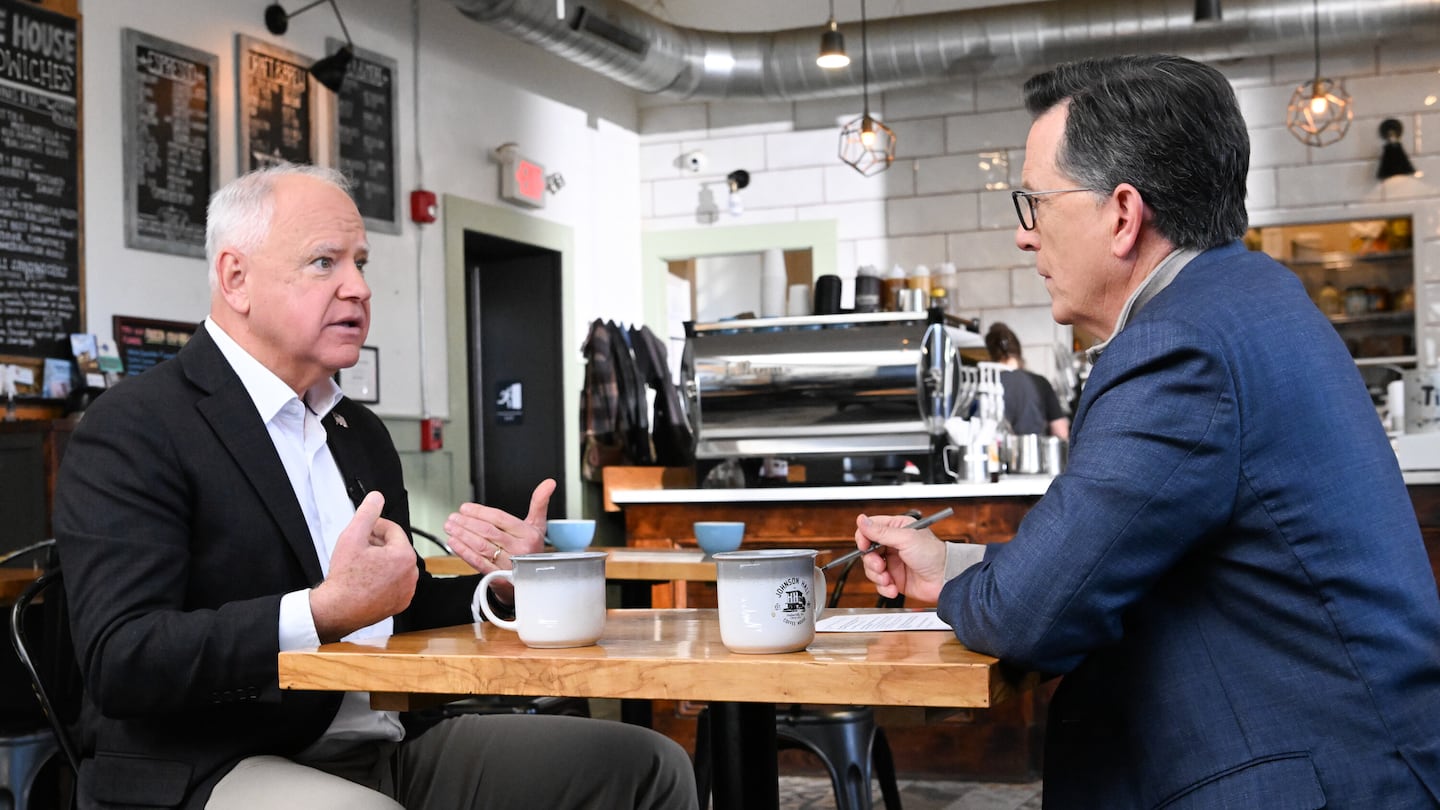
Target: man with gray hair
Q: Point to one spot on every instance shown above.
(232, 503)
(1229, 572)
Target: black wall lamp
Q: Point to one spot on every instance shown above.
(1393, 160)
(737, 180)
(329, 71)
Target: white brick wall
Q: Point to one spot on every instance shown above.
(937, 204)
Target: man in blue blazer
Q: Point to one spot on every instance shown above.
(1229, 574)
(231, 503)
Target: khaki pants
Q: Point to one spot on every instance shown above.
(479, 761)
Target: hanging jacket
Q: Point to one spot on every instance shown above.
(674, 446)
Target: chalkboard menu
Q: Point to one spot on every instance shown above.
(145, 342)
(277, 108)
(172, 158)
(40, 212)
(365, 138)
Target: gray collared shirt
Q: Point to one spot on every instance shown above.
(1159, 278)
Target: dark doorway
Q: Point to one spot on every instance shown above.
(516, 372)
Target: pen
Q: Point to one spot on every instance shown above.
(919, 524)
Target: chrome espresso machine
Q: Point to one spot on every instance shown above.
(856, 398)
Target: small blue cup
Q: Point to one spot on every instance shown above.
(570, 535)
(715, 536)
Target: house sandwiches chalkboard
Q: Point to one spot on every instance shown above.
(172, 159)
(277, 118)
(41, 271)
(365, 139)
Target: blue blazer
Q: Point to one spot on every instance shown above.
(1229, 572)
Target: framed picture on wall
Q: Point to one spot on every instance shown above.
(365, 134)
(361, 382)
(278, 119)
(170, 143)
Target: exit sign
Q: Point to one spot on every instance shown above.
(522, 181)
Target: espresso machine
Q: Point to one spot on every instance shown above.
(855, 398)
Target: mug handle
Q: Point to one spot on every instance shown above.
(480, 594)
(821, 591)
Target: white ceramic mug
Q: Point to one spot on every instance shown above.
(769, 599)
(559, 598)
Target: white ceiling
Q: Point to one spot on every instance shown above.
(777, 15)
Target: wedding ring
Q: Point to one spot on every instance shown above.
(496, 555)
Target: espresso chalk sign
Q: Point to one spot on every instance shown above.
(365, 138)
(277, 105)
(172, 158)
(40, 214)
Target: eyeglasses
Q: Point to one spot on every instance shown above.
(1026, 212)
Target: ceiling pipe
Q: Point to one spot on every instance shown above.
(643, 52)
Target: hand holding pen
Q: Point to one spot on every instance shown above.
(922, 523)
(913, 562)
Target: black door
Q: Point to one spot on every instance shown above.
(517, 407)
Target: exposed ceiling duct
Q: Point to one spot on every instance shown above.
(648, 54)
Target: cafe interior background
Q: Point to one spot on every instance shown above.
(639, 174)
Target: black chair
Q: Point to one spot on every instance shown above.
(50, 664)
(846, 739)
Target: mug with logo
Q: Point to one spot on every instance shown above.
(769, 599)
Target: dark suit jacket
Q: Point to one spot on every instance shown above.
(179, 532)
(1229, 570)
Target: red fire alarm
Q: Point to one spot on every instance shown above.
(432, 436)
(422, 206)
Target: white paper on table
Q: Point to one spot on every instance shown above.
(878, 622)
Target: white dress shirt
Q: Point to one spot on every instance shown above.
(299, 438)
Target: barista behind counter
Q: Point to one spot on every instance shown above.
(1030, 402)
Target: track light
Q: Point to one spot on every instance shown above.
(1207, 10)
(330, 71)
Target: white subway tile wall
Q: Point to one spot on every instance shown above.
(936, 214)
(939, 203)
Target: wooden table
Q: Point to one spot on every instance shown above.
(636, 571)
(666, 654)
(1002, 744)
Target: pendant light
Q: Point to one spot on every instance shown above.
(865, 143)
(832, 45)
(1319, 112)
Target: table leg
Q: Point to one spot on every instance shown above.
(745, 768)
(636, 594)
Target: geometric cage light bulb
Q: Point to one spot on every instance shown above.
(1319, 112)
(867, 145)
